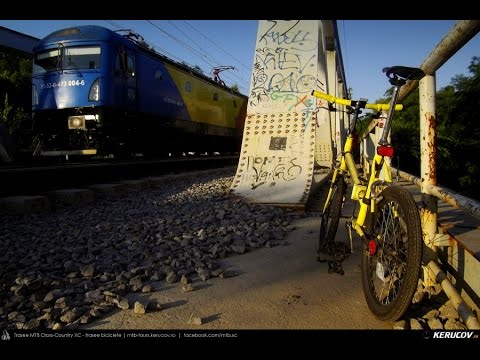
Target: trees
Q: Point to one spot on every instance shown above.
(458, 123)
(15, 98)
(15, 90)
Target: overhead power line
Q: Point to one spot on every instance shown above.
(220, 47)
(206, 58)
(203, 56)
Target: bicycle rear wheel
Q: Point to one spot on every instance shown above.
(391, 261)
(331, 216)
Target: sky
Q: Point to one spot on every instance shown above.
(367, 46)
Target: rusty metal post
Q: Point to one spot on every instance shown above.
(342, 118)
(387, 159)
(332, 89)
(428, 166)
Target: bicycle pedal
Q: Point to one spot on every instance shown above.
(335, 267)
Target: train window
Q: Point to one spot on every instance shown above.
(46, 61)
(188, 86)
(120, 60)
(85, 57)
(130, 65)
(117, 64)
(215, 96)
(158, 75)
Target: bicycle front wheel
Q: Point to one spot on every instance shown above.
(331, 216)
(391, 260)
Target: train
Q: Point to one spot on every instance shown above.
(96, 92)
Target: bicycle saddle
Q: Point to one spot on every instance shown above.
(404, 72)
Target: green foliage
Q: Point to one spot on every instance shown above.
(405, 134)
(15, 95)
(195, 68)
(460, 129)
(235, 88)
(464, 83)
(198, 69)
(5, 112)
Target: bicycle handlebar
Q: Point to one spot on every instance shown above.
(332, 99)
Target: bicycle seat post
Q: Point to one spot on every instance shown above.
(397, 83)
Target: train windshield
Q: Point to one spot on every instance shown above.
(85, 57)
(46, 61)
(67, 58)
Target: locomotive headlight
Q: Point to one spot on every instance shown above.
(34, 95)
(76, 122)
(94, 94)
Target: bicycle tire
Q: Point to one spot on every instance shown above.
(390, 275)
(331, 216)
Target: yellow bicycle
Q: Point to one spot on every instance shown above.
(387, 220)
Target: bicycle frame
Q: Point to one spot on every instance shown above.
(365, 194)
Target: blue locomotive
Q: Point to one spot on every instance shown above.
(96, 91)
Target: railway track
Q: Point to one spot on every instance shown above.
(35, 179)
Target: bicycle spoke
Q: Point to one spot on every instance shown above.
(392, 238)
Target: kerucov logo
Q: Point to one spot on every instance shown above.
(454, 335)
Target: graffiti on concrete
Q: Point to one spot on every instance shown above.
(284, 71)
(270, 169)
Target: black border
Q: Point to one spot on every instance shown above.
(308, 337)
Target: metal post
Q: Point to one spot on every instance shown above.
(340, 121)
(332, 89)
(378, 137)
(428, 155)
